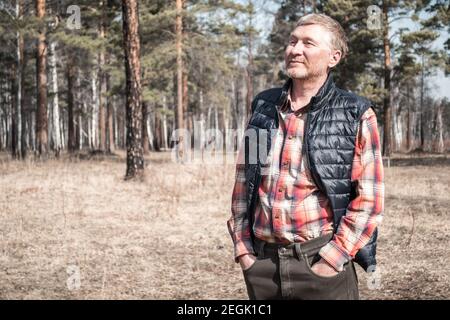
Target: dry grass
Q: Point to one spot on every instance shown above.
(166, 238)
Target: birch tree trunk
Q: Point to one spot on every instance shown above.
(116, 131)
(111, 117)
(440, 128)
(95, 107)
(80, 129)
(148, 126)
(216, 117)
(62, 131)
(55, 133)
(89, 129)
(33, 131)
(165, 123)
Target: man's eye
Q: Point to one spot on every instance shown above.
(292, 41)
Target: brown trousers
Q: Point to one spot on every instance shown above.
(284, 272)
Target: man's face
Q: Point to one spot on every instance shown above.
(309, 54)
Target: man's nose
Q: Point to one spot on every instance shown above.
(297, 49)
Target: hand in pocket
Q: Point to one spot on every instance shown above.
(247, 261)
(324, 269)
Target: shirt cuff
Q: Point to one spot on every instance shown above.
(241, 248)
(334, 255)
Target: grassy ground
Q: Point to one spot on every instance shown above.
(166, 238)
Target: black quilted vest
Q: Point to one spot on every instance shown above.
(329, 145)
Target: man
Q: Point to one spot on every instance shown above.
(304, 212)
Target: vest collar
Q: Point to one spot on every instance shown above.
(316, 101)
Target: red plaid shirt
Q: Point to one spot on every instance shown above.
(292, 209)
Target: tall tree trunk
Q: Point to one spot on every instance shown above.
(440, 128)
(41, 69)
(79, 107)
(387, 141)
(121, 129)
(145, 142)
(61, 127)
(102, 112)
(13, 106)
(157, 135)
(102, 74)
(135, 158)
(80, 129)
(19, 145)
(398, 129)
(9, 113)
(208, 117)
(2, 131)
(10, 110)
(408, 119)
(89, 129)
(234, 114)
(95, 107)
(116, 130)
(250, 68)
(179, 49)
(148, 125)
(216, 117)
(2, 117)
(54, 101)
(422, 109)
(249, 83)
(164, 128)
(187, 123)
(71, 143)
(110, 106)
(33, 131)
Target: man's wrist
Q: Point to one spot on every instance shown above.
(241, 248)
(332, 254)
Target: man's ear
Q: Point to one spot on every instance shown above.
(335, 57)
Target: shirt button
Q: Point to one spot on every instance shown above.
(291, 137)
(286, 163)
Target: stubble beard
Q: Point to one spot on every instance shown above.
(306, 73)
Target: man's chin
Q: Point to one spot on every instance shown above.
(297, 74)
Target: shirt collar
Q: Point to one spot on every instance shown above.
(284, 101)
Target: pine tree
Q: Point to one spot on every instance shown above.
(41, 74)
(131, 45)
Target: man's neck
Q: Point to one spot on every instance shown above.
(304, 89)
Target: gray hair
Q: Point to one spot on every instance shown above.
(337, 34)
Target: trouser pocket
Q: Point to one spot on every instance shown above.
(309, 285)
(261, 279)
(311, 260)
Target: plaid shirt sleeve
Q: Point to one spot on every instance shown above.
(365, 211)
(238, 225)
